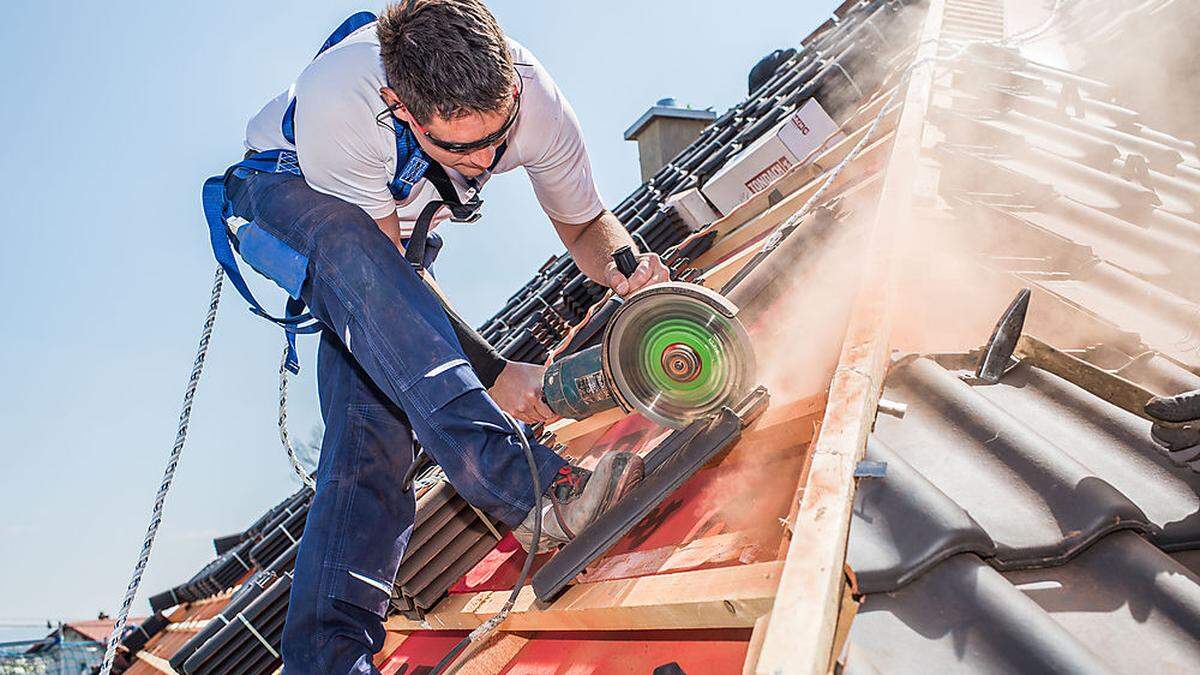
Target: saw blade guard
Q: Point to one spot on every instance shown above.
(676, 352)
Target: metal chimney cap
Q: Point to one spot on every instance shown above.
(667, 107)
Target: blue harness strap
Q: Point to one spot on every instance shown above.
(216, 211)
(356, 21)
(343, 31)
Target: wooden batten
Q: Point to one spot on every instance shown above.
(567, 430)
(803, 624)
(728, 597)
(158, 663)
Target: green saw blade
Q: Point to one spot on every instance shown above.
(686, 331)
(713, 358)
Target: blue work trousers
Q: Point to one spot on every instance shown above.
(389, 365)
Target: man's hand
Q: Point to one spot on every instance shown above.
(591, 246)
(518, 392)
(650, 271)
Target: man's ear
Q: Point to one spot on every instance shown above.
(392, 101)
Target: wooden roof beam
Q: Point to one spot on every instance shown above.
(802, 626)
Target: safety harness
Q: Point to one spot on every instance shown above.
(412, 164)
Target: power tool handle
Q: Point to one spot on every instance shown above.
(627, 262)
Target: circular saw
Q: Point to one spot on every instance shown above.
(674, 352)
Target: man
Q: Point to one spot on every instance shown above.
(392, 119)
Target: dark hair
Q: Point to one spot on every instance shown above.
(445, 56)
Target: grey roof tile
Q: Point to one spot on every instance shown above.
(1121, 606)
(1024, 473)
(1031, 496)
(1126, 601)
(962, 616)
(1095, 531)
(903, 525)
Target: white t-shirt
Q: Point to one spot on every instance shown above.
(343, 151)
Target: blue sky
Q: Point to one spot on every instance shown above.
(114, 113)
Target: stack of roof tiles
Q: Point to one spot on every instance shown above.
(448, 539)
(1023, 526)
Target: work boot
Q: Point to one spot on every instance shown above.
(578, 496)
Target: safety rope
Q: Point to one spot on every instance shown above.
(301, 472)
(168, 475)
(1033, 33)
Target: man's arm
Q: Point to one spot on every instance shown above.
(591, 245)
(390, 224)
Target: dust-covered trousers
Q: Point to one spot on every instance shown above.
(389, 366)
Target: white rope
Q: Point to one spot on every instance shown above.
(168, 474)
(305, 478)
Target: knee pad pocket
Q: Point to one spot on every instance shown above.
(442, 384)
(362, 591)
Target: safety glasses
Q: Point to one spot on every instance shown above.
(488, 141)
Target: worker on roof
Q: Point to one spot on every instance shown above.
(398, 117)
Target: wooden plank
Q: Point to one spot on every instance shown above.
(156, 662)
(189, 626)
(729, 597)
(391, 642)
(846, 616)
(566, 430)
(728, 547)
(783, 425)
(756, 642)
(484, 658)
(803, 623)
(718, 274)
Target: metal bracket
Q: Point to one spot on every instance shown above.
(997, 354)
(869, 468)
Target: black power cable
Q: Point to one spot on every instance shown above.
(490, 625)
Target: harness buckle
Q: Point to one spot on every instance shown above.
(467, 213)
(235, 223)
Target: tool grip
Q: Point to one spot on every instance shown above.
(627, 262)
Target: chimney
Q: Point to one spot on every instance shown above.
(663, 130)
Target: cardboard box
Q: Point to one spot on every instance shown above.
(693, 209)
(774, 154)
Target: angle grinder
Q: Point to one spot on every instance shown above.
(674, 352)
